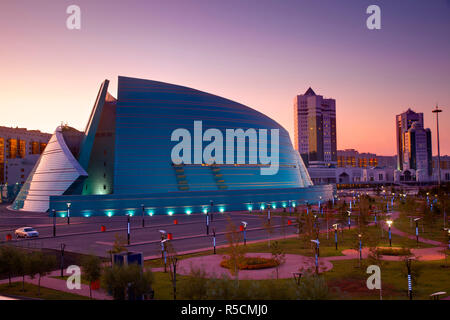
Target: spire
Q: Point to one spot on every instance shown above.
(310, 92)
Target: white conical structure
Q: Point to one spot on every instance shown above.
(52, 175)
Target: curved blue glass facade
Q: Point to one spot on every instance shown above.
(127, 152)
(147, 114)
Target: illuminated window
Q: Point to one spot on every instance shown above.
(35, 148)
(12, 151)
(42, 147)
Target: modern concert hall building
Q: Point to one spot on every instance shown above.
(123, 162)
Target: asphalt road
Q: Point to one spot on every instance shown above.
(84, 235)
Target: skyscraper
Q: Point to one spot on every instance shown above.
(413, 146)
(315, 129)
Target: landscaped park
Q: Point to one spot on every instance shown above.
(327, 257)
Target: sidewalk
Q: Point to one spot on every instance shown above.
(398, 232)
(60, 285)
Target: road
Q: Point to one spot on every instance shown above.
(84, 235)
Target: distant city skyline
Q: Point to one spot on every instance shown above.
(259, 53)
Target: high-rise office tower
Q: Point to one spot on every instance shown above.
(413, 143)
(315, 129)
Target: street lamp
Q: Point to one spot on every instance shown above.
(128, 228)
(214, 239)
(349, 222)
(416, 220)
(316, 254)
(207, 223)
(336, 226)
(389, 223)
(68, 212)
(244, 224)
(448, 233)
(54, 222)
(408, 266)
(360, 248)
(437, 111)
(211, 204)
(174, 266)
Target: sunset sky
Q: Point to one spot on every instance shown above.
(259, 53)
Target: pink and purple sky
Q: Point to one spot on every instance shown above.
(260, 53)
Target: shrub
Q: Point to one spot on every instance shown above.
(394, 251)
(251, 263)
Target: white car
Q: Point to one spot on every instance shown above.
(26, 232)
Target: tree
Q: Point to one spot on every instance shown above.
(267, 224)
(7, 259)
(21, 264)
(172, 260)
(312, 287)
(127, 281)
(278, 255)
(236, 251)
(196, 286)
(119, 246)
(92, 270)
(41, 265)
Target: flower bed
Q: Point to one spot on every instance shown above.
(251, 263)
(394, 251)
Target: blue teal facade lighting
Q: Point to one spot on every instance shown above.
(122, 160)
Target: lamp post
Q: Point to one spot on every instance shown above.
(244, 224)
(143, 216)
(320, 199)
(437, 111)
(163, 234)
(207, 223)
(360, 248)
(389, 223)
(128, 228)
(211, 204)
(63, 246)
(68, 212)
(336, 226)
(349, 222)
(448, 233)
(290, 207)
(214, 240)
(174, 266)
(408, 266)
(316, 255)
(54, 222)
(416, 220)
(268, 213)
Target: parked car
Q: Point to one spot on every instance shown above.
(26, 232)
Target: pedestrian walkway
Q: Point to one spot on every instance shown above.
(211, 266)
(398, 232)
(60, 285)
(424, 254)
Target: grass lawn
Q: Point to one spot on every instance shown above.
(432, 231)
(348, 281)
(351, 280)
(349, 240)
(31, 291)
